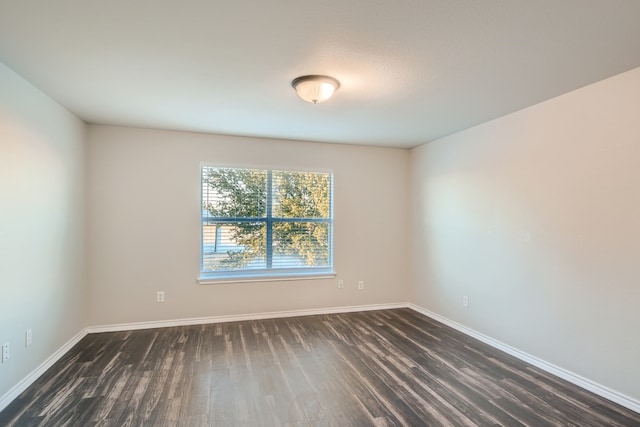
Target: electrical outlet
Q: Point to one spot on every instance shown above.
(340, 284)
(160, 296)
(5, 352)
(360, 285)
(28, 338)
(465, 301)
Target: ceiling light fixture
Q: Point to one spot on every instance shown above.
(315, 88)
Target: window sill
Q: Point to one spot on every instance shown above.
(275, 278)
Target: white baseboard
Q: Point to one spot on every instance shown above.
(576, 379)
(240, 317)
(15, 391)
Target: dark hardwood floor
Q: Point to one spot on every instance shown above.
(377, 368)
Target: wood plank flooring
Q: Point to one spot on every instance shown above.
(377, 368)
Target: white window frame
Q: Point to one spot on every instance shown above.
(268, 274)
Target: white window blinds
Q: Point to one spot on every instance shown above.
(266, 222)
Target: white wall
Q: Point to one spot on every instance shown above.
(144, 219)
(536, 217)
(41, 226)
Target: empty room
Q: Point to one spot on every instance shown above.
(355, 213)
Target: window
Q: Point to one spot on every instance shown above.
(265, 223)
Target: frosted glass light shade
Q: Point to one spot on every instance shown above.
(315, 89)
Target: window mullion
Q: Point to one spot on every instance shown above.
(269, 220)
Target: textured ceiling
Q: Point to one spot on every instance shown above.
(411, 70)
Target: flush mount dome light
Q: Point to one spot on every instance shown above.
(315, 88)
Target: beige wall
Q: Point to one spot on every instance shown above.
(536, 217)
(41, 226)
(143, 225)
